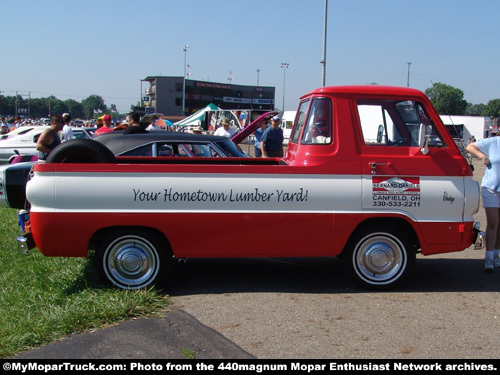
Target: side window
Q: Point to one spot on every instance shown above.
(301, 116)
(318, 128)
(165, 150)
(200, 150)
(395, 123)
(146, 150)
(377, 125)
(183, 150)
(213, 152)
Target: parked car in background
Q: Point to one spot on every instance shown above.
(13, 177)
(165, 144)
(25, 143)
(18, 131)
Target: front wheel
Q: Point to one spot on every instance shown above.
(132, 260)
(380, 258)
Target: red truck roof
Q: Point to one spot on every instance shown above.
(367, 89)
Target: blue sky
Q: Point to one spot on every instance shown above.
(73, 49)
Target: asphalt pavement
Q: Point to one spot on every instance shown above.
(177, 335)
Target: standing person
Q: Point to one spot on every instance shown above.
(258, 136)
(106, 125)
(4, 127)
(225, 130)
(49, 139)
(67, 131)
(488, 150)
(134, 126)
(198, 130)
(271, 142)
(98, 125)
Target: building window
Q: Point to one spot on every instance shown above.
(178, 87)
(178, 102)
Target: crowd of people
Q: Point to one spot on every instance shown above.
(268, 139)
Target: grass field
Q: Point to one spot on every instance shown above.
(44, 299)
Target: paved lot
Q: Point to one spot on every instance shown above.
(307, 309)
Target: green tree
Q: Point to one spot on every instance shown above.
(58, 107)
(40, 107)
(447, 100)
(91, 103)
(474, 109)
(75, 109)
(8, 105)
(492, 109)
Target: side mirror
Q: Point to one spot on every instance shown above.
(380, 134)
(423, 140)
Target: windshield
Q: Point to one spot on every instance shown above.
(230, 148)
(319, 125)
(300, 121)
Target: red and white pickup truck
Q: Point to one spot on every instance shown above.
(370, 175)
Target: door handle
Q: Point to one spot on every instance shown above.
(374, 164)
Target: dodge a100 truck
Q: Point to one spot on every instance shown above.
(360, 180)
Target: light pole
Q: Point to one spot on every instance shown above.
(323, 62)
(285, 67)
(185, 49)
(408, 79)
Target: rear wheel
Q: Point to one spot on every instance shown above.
(133, 260)
(379, 257)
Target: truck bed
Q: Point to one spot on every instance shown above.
(200, 160)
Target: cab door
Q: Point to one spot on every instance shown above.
(398, 174)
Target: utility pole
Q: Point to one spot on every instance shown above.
(408, 79)
(258, 72)
(184, 82)
(285, 67)
(323, 62)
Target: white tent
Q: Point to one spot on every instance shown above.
(198, 116)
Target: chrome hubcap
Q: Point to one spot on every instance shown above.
(379, 258)
(131, 262)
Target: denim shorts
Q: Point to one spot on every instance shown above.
(490, 198)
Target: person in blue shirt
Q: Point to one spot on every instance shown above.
(258, 136)
(271, 142)
(488, 150)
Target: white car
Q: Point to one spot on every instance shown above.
(25, 143)
(18, 131)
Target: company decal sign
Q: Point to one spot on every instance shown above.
(396, 191)
(170, 195)
(193, 192)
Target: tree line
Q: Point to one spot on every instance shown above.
(447, 100)
(20, 106)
